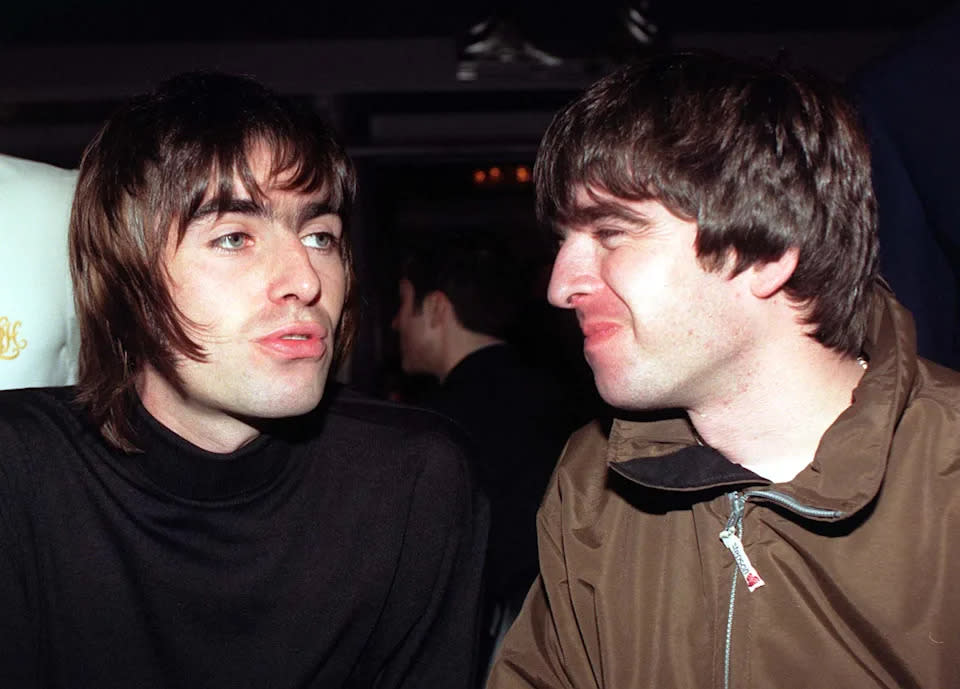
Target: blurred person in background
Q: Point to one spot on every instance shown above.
(460, 294)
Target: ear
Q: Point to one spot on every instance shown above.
(766, 279)
(437, 308)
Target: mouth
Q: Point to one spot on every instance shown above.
(298, 330)
(302, 340)
(596, 329)
(597, 333)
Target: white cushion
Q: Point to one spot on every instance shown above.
(38, 329)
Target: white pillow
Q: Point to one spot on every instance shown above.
(38, 329)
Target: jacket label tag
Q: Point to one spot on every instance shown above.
(749, 572)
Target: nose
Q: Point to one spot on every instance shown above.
(574, 272)
(294, 277)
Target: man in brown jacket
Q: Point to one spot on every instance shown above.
(780, 508)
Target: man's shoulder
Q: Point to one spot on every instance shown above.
(348, 406)
(34, 425)
(583, 463)
(590, 438)
(20, 406)
(372, 427)
(35, 418)
(937, 384)
(924, 435)
(933, 404)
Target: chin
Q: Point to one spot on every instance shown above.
(283, 411)
(609, 385)
(278, 404)
(616, 394)
(616, 400)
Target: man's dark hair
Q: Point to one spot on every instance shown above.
(763, 159)
(482, 277)
(148, 170)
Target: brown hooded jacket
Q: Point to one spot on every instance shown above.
(858, 554)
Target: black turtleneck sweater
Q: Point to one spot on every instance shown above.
(339, 550)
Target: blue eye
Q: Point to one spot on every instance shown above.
(320, 240)
(232, 241)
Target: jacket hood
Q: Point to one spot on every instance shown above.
(848, 468)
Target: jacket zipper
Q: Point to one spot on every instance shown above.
(791, 504)
(732, 530)
(732, 537)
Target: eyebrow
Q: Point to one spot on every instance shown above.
(215, 207)
(312, 210)
(305, 212)
(606, 211)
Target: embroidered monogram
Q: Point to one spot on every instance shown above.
(10, 342)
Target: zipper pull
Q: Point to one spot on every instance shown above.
(733, 543)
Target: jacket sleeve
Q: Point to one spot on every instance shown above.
(544, 648)
(432, 616)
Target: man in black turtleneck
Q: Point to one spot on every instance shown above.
(191, 514)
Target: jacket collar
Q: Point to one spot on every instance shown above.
(849, 465)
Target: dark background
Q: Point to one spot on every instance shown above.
(59, 21)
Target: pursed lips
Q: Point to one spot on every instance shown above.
(300, 340)
(596, 330)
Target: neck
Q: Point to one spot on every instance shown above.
(773, 416)
(209, 429)
(460, 344)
